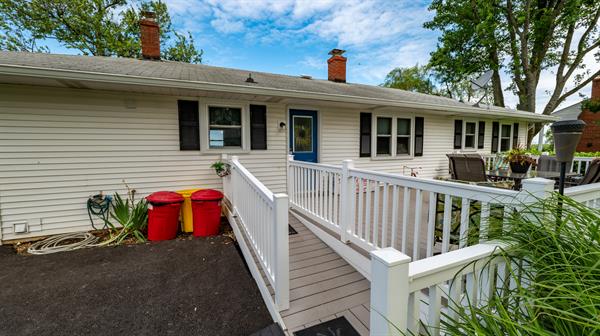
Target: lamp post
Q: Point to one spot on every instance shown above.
(566, 137)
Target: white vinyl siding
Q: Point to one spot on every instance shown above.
(60, 146)
(340, 136)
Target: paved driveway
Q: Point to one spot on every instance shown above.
(180, 287)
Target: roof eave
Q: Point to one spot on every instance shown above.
(40, 72)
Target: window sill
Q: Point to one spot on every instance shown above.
(392, 158)
(225, 151)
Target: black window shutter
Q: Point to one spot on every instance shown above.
(365, 134)
(419, 133)
(458, 134)
(258, 127)
(515, 143)
(481, 134)
(189, 125)
(495, 136)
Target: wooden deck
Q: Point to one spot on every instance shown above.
(323, 286)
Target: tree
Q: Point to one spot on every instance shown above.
(469, 44)
(423, 79)
(94, 27)
(522, 38)
(416, 79)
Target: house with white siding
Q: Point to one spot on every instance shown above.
(74, 126)
(329, 158)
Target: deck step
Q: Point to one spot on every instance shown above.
(272, 330)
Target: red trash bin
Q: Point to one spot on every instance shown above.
(206, 209)
(163, 215)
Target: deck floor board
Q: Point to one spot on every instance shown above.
(323, 286)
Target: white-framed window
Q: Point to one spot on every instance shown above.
(384, 136)
(506, 131)
(225, 127)
(392, 136)
(403, 136)
(470, 136)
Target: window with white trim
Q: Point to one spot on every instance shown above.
(403, 136)
(224, 127)
(505, 137)
(470, 135)
(384, 136)
(393, 136)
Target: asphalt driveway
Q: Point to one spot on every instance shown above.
(179, 287)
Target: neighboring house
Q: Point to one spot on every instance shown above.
(590, 140)
(72, 126)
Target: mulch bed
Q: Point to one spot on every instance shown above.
(187, 286)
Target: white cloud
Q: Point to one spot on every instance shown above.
(379, 35)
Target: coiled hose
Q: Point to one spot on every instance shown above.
(53, 244)
(97, 205)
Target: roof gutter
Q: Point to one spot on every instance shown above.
(39, 72)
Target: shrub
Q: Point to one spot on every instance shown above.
(555, 263)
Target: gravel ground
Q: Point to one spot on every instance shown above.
(178, 287)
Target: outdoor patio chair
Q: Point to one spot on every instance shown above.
(592, 175)
(548, 163)
(467, 167)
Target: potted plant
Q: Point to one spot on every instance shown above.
(519, 160)
(221, 168)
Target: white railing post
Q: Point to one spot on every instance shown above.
(346, 208)
(389, 292)
(290, 179)
(536, 188)
(235, 181)
(281, 251)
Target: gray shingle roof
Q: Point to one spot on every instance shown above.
(218, 75)
(569, 113)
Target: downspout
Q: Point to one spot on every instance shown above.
(0, 219)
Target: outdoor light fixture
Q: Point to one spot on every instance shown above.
(566, 137)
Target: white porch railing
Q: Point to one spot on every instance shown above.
(579, 166)
(399, 305)
(264, 220)
(417, 216)
(589, 194)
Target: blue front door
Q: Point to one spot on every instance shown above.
(303, 135)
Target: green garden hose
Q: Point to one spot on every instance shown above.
(99, 206)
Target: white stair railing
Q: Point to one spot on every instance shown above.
(264, 220)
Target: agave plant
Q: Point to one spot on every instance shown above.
(132, 216)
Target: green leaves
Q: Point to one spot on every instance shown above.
(554, 265)
(131, 215)
(94, 27)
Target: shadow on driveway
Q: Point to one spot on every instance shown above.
(178, 287)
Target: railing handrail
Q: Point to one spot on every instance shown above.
(582, 189)
(313, 165)
(434, 270)
(253, 181)
(474, 192)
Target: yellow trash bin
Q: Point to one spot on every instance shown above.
(187, 219)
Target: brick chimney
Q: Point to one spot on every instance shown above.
(596, 88)
(150, 36)
(336, 66)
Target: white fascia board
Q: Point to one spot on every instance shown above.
(38, 72)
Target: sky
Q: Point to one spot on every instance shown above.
(293, 37)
